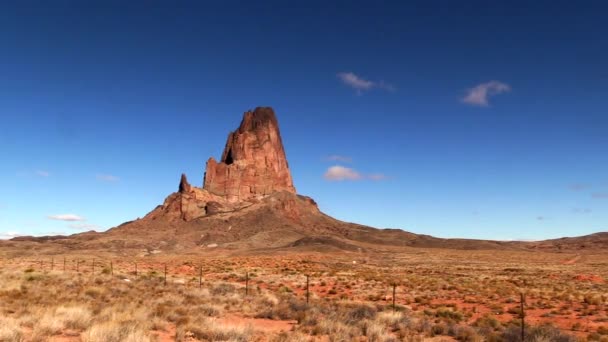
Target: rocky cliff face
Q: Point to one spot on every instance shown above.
(253, 166)
(253, 163)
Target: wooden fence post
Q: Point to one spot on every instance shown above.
(52, 263)
(200, 277)
(165, 274)
(246, 283)
(307, 289)
(394, 293)
(64, 264)
(522, 315)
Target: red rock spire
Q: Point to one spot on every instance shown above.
(253, 163)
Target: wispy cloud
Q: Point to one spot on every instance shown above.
(581, 210)
(8, 235)
(37, 173)
(84, 226)
(66, 217)
(341, 173)
(479, 95)
(360, 84)
(540, 218)
(42, 173)
(106, 178)
(339, 158)
(600, 194)
(578, 186)
(377, 176)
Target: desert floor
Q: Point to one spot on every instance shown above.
(440, 295)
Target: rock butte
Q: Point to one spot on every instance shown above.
(253, 166)
(253, 163)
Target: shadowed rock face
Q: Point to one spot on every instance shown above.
(253, 163)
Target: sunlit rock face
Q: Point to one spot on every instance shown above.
(253, 163)
(252, 167)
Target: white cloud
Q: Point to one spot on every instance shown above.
(42, 173)
(360, 84)
(8, 235)
(107, 178)
(339, 158)
(66, 217)
(341, 173)
(478, 95)
(84, 226)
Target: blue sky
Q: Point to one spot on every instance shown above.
(477, 119)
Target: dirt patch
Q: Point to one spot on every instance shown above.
(590, 278)
(258, 324)
(571, 261)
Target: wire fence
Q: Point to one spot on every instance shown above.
(192, 274)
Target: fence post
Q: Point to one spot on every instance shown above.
(64, 264)
(93, 269)
(135, 270)
(200, 277)
(394, 293)
(246, 283)
(522, 315)
(52, 263)
(77, 264)
(111, 269)
(165, 274)
(307, 290)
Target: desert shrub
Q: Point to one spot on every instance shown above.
(208, 330)
(74, 317)
(439, 329)
(449, 314)
(336, 330)
(393, 319)
(112, 331)
(374, 331)
(10, 330)
(543, 333)
(352, 313)
(290, 337)
(223, 289)
(467, 334)
(207, 310)
(286, 309)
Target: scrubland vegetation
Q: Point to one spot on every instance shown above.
(349, 301)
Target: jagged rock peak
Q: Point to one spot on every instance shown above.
(253, 163)
(260, 116)
(184, 186)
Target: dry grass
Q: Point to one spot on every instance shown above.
(471, 296)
